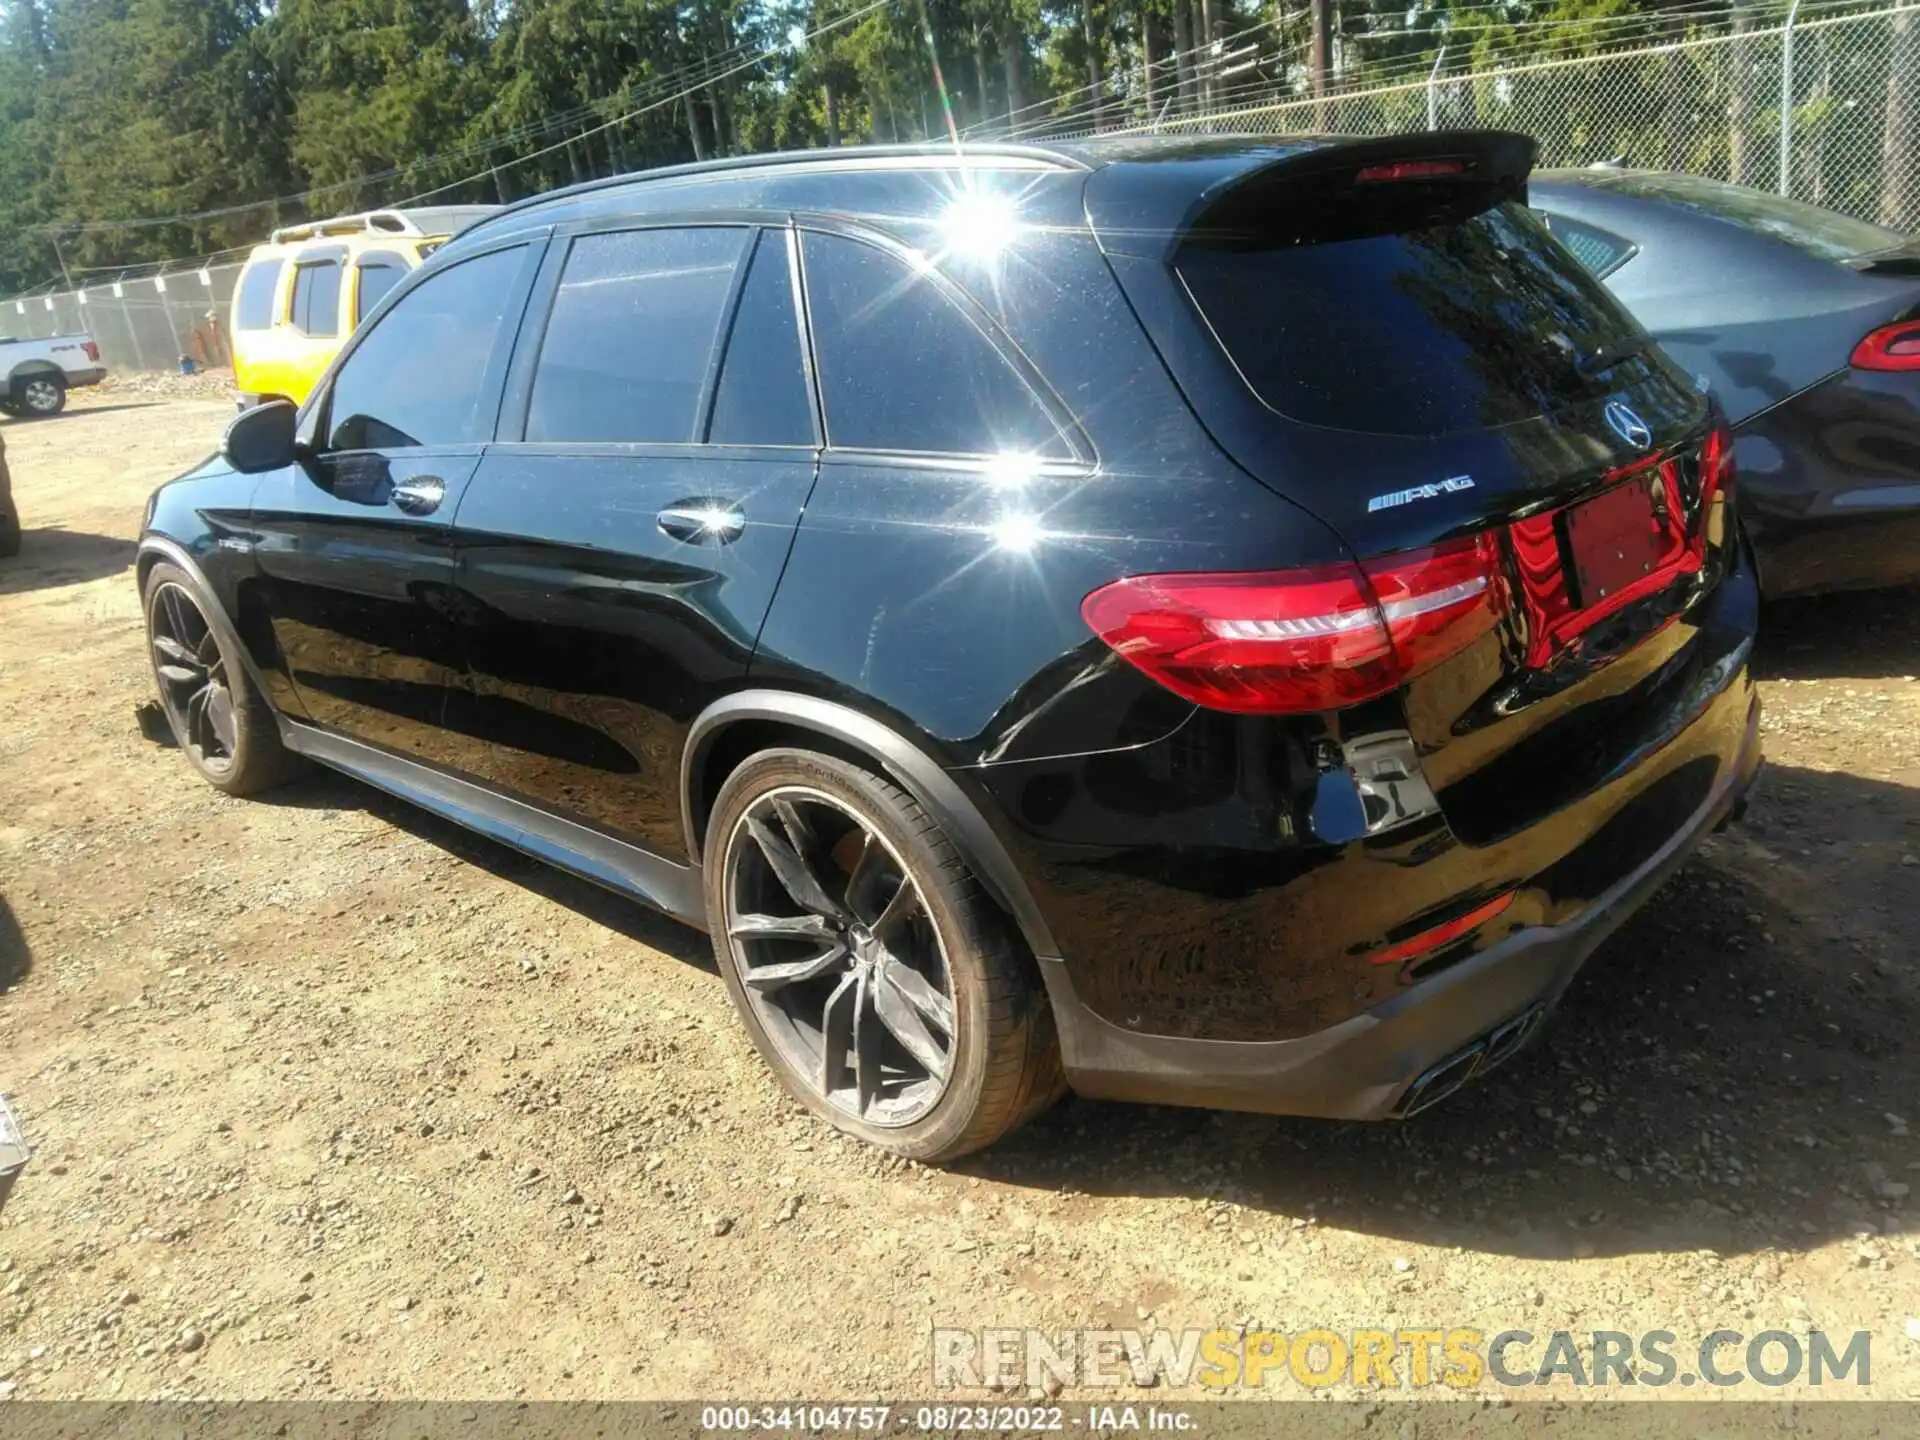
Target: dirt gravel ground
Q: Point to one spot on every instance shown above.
(334, 1100)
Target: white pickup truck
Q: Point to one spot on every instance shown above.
(35, 375)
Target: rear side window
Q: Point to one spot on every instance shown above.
(631, 337)
(379, 273)
(316, 298)
(257, 289)
(762, 398)
(904, 367)
(419, 376)
(1599, 250)
(1462, 326)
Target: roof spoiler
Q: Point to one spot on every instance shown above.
(1330, 188)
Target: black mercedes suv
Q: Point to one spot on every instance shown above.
(1223, 621)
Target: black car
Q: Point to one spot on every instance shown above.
(1806, 324)
(1183, 620)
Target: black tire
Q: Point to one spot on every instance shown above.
(39, 397)
(1002, 1062)
(230, 737)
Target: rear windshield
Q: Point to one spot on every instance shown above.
(1463, 326)
(1819, 232)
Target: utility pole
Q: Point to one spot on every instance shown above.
(57, 255)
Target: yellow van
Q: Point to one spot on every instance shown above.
(302, 293)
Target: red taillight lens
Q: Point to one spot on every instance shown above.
(1442, 934)
(93, 350)
(1411, 170)
(1891, 347)
(1716, 468)
(1301, 641)
(1438, 601)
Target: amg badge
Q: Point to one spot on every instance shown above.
(1419, 492)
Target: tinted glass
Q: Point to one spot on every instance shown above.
(1598, 250)
(902, 367)
(316, 298)
(632, 335)
(257, 286)
(763, 381)
(418, 376)
(378, 275)
(1806, 227)
(1461, 326)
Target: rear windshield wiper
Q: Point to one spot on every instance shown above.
(1901, 259)
(1599, 361)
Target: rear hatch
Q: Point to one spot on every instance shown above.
(1381, 332)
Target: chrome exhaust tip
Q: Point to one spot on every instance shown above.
(1469, 1063)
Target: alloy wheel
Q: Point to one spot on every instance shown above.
(839, 956)
(193, 678)
(40, 396)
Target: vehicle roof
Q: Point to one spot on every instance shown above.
(894, 180)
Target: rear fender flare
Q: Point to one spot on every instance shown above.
(894, 755)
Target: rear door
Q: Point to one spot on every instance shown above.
(618, 553)
(354, 542)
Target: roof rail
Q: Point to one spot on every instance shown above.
(387, 222)
(932, 154)
(415, 223)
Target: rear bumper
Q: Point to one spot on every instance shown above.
(1363, 1068)
(77, 379)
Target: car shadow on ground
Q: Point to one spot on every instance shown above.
(1718, 1077)
(16, 959)
(329, 790)
(51, 558)
(1873, 634)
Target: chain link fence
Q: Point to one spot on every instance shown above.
(1826, 109)
(147, 321)
(1818, 105)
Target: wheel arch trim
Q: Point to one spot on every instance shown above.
(903, 762)
(154, 548)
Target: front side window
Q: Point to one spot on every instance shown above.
(316, 298)
(903, 367)
(257, 289)
(379, 273)
(632, 334)
(419, 376)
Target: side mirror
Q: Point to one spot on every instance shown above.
(260, 439)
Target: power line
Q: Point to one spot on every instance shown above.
(705, 72)
(673, 99)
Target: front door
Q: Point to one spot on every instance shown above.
(617, 561)
(354, 542)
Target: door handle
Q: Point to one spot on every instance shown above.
(703, 522)
(419, 494)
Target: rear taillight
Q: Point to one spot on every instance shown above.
(1891, 347)
(1302, 641)
(1716, 469)
(93, 350)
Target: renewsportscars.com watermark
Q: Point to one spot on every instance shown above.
(1406, 1358)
